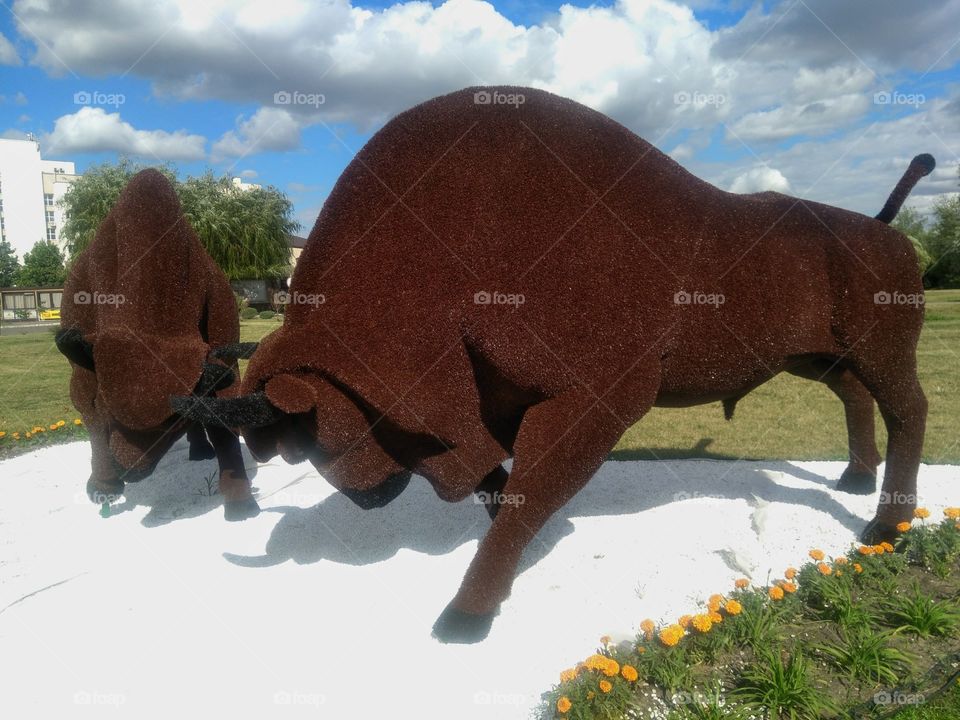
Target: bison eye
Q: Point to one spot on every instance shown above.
(70, 342)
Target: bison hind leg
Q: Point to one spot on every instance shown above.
(200, 447)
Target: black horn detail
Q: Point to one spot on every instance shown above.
(214, 377)
(920, 166)
(70, 342)
(234, 351)
(252, 410)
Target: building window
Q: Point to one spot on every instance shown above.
(50, 217)
(47, 199)
(51, 232)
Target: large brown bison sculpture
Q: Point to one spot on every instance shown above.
(147, 314)
(504, 273)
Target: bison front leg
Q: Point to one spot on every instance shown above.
(105, 483)
(200, 447)
(560, 445)
(238, 501)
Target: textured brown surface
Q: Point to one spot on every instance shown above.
(173, 304)
(601, 234)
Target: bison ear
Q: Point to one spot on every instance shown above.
(70, 342)
(291, 394)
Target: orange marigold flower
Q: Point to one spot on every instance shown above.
(790, 573)
(2, 434)
(887, 546)
(684, 621)
(641, 649)
(596, 662)
(611, 668)
(647, 626)
(671, 635)
(858, 567)
(629, 673)
(775, 593)
(605, 686)
(61, 423)
(733, 607)
(840, 561)
(816, 554)
(865, 550)
(564, 704)
(879, 549)
(824, 569)
(903, 526)
(742, 583)
(702, 623)
(54, 426)
(604, 639)
(921, 513)
(28, 434)
(953, 513)
(789, 587)
(716, 617)
(77, 421)
(568, 675)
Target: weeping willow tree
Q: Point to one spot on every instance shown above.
(244, 231)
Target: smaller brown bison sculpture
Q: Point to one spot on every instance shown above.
(504, 273)
(147, 314)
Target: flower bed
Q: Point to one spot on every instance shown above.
(858, 634)
(21, 441)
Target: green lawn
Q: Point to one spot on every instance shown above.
(786, 418)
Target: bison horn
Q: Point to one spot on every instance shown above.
(234, 351)
(920, 166)
(70, 342)
(214, 377)
(252, 410)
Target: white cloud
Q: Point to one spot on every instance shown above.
(247, 174)
(94, 130)
(267, 129)
(759, 179)
(8, 53)
(786, 121)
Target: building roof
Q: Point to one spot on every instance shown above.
(295, 241)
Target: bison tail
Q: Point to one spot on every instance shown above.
(920, 166)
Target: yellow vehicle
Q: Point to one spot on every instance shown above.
(51, 314)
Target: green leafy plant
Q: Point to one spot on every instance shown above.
(248, 313)
(267, 315)
(781, 689)
(866, 655)
(920, 614)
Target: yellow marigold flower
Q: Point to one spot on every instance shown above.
(77, 421)
(647, 626)
(887, 546)
(604, 640)
(564, 704)
(2, 434)
(702, 623)
(716, 617)
(28, 434)
(921, 513)
(824, 569)
(742, 583)
(596, 662)
(858, 567)
(671, 635)
(61, 423)
(605, 686)
(839, 573)
(54, 426)
(903, 526)
(816, 554)
(953, 513)
(865, 550)
(684, 621)
(591, 695)
(840, 561)
(715, 599)
(789, 587)
(16, 436)
(879, 549)
(733, 607)
(641, 649)
(629, 673)
(611, 668)
(775, 593)
(568, 675)
(790, 573)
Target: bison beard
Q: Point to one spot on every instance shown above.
(527, 279)
(171, 329)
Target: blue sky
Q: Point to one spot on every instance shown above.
(786, 95)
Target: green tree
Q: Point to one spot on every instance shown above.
(943, 243)
(244, 231)
(9, 265)
(42, 266)
(911, 223)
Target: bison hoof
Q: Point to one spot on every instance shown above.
(236, 510)
(202, 452)
(457, 626)
(877, 532)
(100, 493)
(857, 482)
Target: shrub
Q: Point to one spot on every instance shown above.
(248, 313)
(267, 315)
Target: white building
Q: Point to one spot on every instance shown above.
(30, 189)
